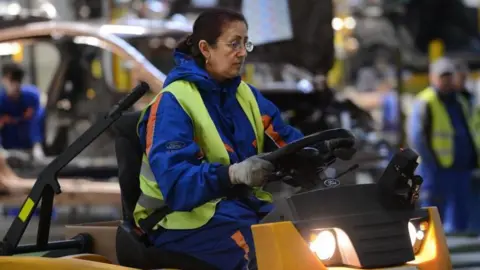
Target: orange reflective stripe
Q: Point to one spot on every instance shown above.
(28, 113)
(229, 148)
(240, 241)
(152, 117)
(268, 127)
(200, 153)
(254, 143)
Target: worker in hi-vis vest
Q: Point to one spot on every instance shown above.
(462, 84)
(202, 136)
(441, 130)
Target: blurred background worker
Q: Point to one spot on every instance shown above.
(460, 80)
(439, 131)
(20, 112)
(460, 83)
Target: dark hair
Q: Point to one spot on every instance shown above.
(208, 26)
(13, 71)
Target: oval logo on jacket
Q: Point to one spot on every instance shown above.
(175, 145)
(331, 183)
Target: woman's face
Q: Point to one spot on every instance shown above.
(225, 59)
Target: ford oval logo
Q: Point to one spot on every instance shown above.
(331, 183)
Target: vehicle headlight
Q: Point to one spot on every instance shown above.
(417, 228)
(412, 231)
(332, 246)
(324, 245)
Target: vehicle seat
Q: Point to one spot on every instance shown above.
(133, 249)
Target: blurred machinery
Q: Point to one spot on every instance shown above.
(80, 89)
(100, 61)
(420, 30)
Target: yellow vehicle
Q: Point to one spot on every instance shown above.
(326, 225)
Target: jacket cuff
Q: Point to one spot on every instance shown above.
(223, 177)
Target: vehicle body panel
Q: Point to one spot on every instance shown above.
(90, 262)
(281, 246)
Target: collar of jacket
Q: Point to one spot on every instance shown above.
(186, 69)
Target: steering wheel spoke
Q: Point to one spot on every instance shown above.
(300, 163)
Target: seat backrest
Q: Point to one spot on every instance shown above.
(129, 153)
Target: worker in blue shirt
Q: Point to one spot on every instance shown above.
(20, 112)
(439, 129)
(460, 79)
(202, 93)
(460, 82)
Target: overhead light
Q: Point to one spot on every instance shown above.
(337, 24)
(14, 9)
(9, 48)
(92, 41)
(349, 22)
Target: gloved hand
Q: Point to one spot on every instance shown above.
(253, 171)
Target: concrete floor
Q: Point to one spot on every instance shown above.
(463, 259)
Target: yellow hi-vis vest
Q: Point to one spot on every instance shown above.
(213, 148)
(442, 141)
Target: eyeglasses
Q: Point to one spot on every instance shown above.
(237, 45)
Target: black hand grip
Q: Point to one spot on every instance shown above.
(339, 143)
(130, 99)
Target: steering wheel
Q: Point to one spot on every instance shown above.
(300, 163)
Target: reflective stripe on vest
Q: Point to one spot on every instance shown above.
(210, 142)
(147, 201)
(443, 133)
(474, 123)
(476, 127)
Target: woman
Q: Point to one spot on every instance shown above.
(179, 134)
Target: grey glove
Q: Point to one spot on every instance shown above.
(252, 172)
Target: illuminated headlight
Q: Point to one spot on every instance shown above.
(417, 230)
(324, 245)
(332, 246)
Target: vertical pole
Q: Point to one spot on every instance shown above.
(32, 70)
(435, 50)
(400, 91)
(395, 19)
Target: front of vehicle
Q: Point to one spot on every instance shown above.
(371, 226)
(371, 245)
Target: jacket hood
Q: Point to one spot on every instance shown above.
(186, 69)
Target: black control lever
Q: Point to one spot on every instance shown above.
(398, 186)
(129, 100)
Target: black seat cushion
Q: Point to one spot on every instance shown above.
(132, 252)
(129, 159)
